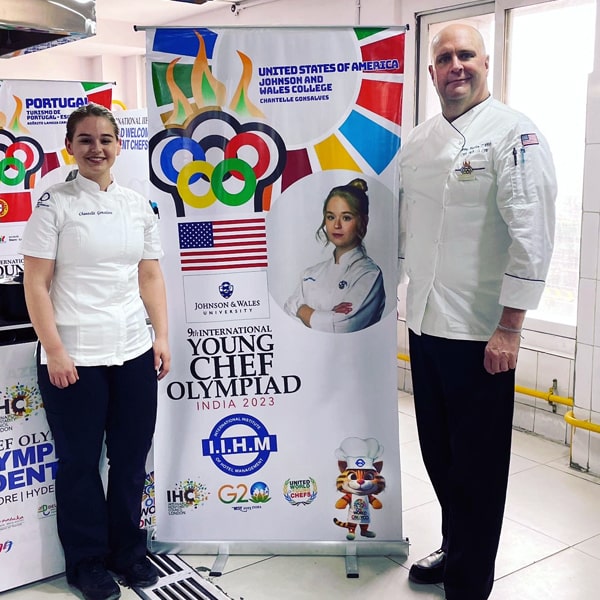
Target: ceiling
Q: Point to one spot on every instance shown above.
(115, 21)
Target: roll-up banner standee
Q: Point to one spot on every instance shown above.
(275, 436)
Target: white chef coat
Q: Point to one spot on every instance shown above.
(478, 231)
(356, 279)
(97, 240)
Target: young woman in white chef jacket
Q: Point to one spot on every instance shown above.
(344, 293)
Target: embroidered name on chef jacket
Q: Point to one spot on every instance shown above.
(92, 213)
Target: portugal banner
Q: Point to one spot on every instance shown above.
(278, 423)
(32, 150)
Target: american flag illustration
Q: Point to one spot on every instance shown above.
(529, 139)
(219, 245)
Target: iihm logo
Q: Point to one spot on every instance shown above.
(241, 454)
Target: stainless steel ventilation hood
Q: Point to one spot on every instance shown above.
(33, 25)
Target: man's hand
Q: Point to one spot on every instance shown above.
(501, 351)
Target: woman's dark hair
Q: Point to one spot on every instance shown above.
(355, 194)
(89, 110)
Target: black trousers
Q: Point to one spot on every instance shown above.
(464, 419)
(116, 404)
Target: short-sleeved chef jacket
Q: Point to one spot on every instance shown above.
(96, 239)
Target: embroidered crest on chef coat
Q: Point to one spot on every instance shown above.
(467, 172)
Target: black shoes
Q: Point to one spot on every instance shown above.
(430, 569)
(93, 580)
(142, 573)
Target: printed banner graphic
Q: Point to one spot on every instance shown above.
(32, 150)
(275, 428)
(29, 546)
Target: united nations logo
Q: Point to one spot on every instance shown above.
(226, 289)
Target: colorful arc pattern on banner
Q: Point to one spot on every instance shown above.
(367, 139)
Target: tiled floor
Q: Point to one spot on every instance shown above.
(550, 547)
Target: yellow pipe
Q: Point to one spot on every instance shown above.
(549, 397)
(571, 420)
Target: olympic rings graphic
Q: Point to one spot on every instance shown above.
(216, 149)
(22, 157)
(233, 166)
(256, 142)
(17, 165)
(176, 144)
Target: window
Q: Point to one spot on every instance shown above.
(550, 53)
(541, 69)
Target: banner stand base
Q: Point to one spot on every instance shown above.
(351, 561)
(351, 551)
(220, 562)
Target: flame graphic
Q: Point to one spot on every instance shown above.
(181, 106)
(206, 89)
(241, 102)
(15, 124)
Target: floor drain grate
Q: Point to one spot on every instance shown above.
(179, 581)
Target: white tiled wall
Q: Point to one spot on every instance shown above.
(585, 451)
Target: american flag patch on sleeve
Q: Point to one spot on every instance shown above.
(529, 139)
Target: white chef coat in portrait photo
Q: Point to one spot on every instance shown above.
(356, 279)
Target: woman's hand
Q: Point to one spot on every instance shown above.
(61, 369)
(162, 358)
(343, 307)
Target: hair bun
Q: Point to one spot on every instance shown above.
(361, 184)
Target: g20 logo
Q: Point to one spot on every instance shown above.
(240, 494)
(215, 158)
(20, 158)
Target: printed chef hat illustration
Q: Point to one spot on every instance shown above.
(359, 453)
